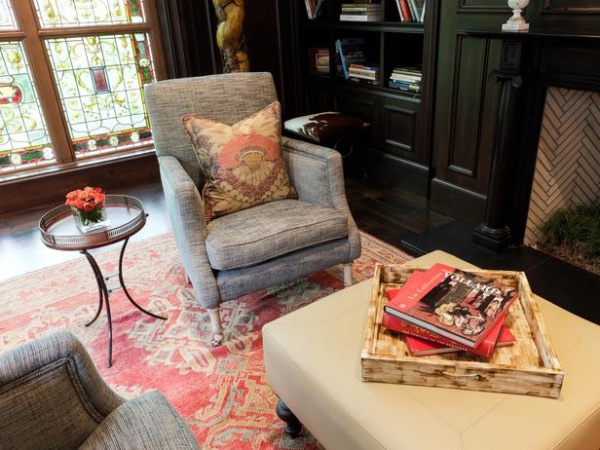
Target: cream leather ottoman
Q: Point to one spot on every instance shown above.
(312, 359)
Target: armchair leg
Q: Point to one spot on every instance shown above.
(215, 322)
(348, 275)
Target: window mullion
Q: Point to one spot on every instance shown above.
(42, 75)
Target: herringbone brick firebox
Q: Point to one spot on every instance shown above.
(567, 170)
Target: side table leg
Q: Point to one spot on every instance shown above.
(103, 294)
(100, 282)
(292, 424)
(125, 289)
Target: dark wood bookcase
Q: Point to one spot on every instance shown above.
(397, 152)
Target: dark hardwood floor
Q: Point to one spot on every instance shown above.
(393, 216)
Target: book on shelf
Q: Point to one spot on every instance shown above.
(459, 305)
(360, 18)
(405, 77)
(406, 86)
(363, 80)
(404, 10)
(319, 7)
(419, 9)
(418, 346)
(311, 7)
(369, 71)
(319, 61)
(348, 51)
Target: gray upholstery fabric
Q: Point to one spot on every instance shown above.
(316, 173)
(270, 230)
(51, 395)
(145, 422)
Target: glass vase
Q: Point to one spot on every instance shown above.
(90, 220)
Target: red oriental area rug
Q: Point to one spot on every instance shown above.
(221, 392)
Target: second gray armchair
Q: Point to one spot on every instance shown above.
(263, 245)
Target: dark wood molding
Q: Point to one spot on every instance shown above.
(49, 190)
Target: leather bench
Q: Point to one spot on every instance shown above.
(312, 361)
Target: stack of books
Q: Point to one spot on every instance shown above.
(362, 11)
(406, 79)
(411, 10)
(350, 51)
(362, 73)
(444, 309)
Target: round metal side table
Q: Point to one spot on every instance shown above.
(126, 217)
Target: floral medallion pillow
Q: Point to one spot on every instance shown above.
(243, 163)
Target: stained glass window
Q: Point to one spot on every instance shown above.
(77, 13)
(100, 81)
(24, 138)
(72, 74)
(7, 18)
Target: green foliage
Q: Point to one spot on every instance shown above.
(578, 229)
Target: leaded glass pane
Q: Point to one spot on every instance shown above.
(100, 81)
(7, 18)
(85, 13)
(24, 138)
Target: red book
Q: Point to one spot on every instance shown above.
(461, 306)
(405, 11)
(424, 347)
(485, 349)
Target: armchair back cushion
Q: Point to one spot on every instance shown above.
(231, 98)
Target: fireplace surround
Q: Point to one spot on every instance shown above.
(531, 64)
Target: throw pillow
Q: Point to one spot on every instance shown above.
(243, 163)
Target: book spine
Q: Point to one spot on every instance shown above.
(399, 76)
(399, 10)
(413, 9)
(405, 11)
(359, 18)
(310, 10)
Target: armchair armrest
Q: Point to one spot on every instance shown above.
(318, 175)
(51, 392)
(186, 210)
(148, 421)
(316, 172)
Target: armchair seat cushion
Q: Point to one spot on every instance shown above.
(253, 236)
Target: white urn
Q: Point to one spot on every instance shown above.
(516, 22)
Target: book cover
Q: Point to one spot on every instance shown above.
(458, 305)
(424, 347)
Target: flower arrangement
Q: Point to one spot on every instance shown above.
(88, 207)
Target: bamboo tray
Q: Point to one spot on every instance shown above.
(528, 367)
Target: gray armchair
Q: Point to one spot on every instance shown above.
(264, 245)
(52, 397)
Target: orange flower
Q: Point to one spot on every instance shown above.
(85, 199)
